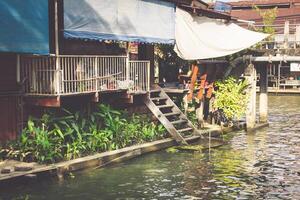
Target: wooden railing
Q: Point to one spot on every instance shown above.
(139, 73)
(286, 36)
(73, 74)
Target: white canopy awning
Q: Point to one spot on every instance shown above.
(203, 38)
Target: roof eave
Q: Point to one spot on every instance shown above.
(208, 13)
(187, 2)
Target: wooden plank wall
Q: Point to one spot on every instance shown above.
(9, 117)
(146, 52)
(8, 74)
(10, 109)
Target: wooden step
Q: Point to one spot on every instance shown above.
(159, 99)
(155, 91)
(157, 102)
(179, 121)
(172, 114)
(185, 130)
(165, 106)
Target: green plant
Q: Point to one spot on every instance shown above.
(132, 129)
(268, 18)
(69, 135)
(193, 117)
(231, 97)
(35, 144)
(114, 125)
(191, 114)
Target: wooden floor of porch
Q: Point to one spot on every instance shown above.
(120, 95)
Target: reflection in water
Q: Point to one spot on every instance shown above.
(261, 165)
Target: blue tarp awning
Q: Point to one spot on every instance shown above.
(144, 21)
(24, 26)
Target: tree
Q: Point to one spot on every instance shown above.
(268, 18)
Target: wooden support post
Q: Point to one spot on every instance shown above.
(263, 96)
(146, 52)
(278, 76)
(201, 91)
(127, 62)
(200, 113)
(201, 98)
(56, 29)
(185, 103)
(58, 75)
(148, 87)
(250, 75)
(18, 69)
(195, 70)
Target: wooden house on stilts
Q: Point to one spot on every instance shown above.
(57, 53)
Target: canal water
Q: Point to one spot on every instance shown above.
(260, 165)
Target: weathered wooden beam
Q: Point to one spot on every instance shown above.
(146, 52)
(95, 98)
(200, 113)
(44, 101)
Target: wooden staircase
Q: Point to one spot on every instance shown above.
(170, 116)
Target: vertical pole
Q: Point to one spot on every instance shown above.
(195, 70)
(18, 69)
(185, 103)
(148, 76)
(56, 32)
(96, 65)
(96, 75)
(201, 97)
(199, 113)
(57, 61)
(263, 96)
(127, 63)
(279, 74)
(250, 75)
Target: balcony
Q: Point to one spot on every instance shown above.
(75, 74)
(286, 36)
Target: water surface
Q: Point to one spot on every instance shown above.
(261, 165)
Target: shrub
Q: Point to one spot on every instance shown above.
(51, 138)
(231, 97)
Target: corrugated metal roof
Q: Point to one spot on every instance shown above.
(253, 15)
(188, 2)
(207, 12)
(263, 2)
